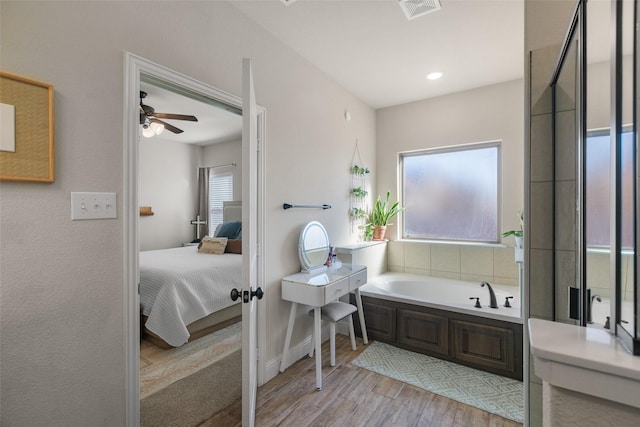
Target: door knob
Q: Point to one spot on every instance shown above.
(246, 296)
(257, 293)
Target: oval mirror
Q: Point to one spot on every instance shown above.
(313, 247)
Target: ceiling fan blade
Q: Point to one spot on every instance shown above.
(175, 117)
(167, 126)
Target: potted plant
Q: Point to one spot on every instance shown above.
(380, 215)
(518, 235)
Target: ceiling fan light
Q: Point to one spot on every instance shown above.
(147, 132)
(157, 127)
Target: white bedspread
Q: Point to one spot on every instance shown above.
(179, 286)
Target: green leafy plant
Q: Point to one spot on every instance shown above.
(516, 233)
(368, 232)
(360, 192)
(383, 211)
(357, 170)
(358, 213)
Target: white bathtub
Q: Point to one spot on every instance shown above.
(445, 294)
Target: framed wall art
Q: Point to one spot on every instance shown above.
(26, 129)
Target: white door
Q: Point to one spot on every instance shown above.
(249, 245)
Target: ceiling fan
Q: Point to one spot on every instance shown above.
(151, 123)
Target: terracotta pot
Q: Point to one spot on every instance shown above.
(379, 231)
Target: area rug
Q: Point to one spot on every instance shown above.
(160, 367)
(492, 393)
(195, 398)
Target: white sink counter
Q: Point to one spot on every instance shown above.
(586, 360)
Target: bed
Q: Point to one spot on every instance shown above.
(185, 294)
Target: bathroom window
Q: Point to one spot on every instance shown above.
(598, 158)
(452, 193)
(220, 190)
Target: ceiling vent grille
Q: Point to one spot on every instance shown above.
(416, 8)
(287, 2)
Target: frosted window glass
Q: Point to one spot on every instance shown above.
(452, 195)
(597, 178)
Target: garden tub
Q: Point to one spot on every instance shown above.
(436, 316)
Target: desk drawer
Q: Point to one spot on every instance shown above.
(336, 290)
(357, 280)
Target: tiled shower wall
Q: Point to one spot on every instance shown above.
(462, 262)
(539, 254)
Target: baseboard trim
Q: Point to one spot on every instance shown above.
(297, 352)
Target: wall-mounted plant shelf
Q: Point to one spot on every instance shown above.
(360, 192)
(146, 211)
(358, 170)
(359, 195)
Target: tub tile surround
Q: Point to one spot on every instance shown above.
(451, 261)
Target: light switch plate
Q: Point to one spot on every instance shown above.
(93, 206)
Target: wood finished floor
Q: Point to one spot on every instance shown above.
(352, 396)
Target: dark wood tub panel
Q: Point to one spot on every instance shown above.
(490, 345)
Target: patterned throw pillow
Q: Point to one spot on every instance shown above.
(212, 245)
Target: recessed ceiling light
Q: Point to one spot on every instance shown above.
(434, 76)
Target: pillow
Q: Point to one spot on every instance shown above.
(230, 230)
(212, 245)
(233, 246)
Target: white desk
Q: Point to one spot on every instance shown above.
(318, 290)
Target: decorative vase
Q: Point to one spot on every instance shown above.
(379, 231)
(519, 249)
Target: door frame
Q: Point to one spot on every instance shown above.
(134, 65)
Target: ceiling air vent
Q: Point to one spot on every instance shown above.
(287, 2)
(415, 8)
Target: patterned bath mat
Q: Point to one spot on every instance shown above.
(492, 393)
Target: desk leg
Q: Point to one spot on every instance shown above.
(287, 340)
(365, 339)
(318, 336)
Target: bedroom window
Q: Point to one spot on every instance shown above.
(452, 193)
(220, 190)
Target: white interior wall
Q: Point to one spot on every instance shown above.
(225, 153)
(485, 114)
(61, 306)
(168, 182)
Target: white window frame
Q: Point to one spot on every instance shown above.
(450, 149)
